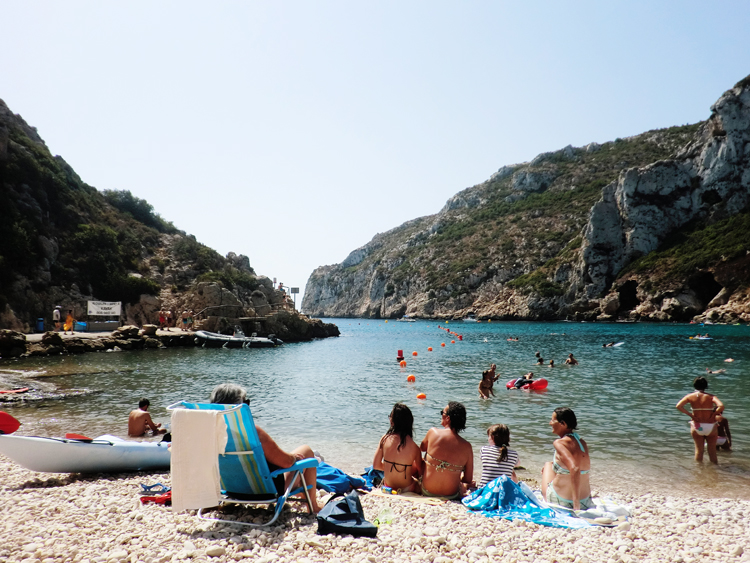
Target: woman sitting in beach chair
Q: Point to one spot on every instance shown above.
(230, 394)
(449, 459)
(398, 456)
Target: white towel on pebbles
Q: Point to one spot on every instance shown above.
(198, 438)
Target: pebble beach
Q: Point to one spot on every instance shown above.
(50, 518)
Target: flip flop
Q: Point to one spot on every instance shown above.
(165, 499)
(157, 488)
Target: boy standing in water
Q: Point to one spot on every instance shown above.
(140, 420)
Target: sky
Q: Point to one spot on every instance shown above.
(294, 131)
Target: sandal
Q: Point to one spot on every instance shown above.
(165, 499)
(157, 488)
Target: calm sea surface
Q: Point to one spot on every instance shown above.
(335, 394)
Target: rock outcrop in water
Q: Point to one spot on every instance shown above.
(650, 227)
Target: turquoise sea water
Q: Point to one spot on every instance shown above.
(335, 394)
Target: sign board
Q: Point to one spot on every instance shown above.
(295, 290)
(105, 308)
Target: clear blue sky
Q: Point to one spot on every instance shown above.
(293, 131)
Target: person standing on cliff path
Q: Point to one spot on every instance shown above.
(56, 318)
(69, 323)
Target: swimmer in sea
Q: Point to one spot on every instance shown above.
(608, 345)
(523, 380)
(551, 363)
(724, 440)
(715, 370)
(488, 382)
(571, 361)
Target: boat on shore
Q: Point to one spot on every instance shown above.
(105, 454)
(236, 340)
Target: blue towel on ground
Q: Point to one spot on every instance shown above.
(502, 498)
(373, 477)
(334, 480)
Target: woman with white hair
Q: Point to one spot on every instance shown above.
(231, 394)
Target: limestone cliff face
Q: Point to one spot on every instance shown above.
(559, 236)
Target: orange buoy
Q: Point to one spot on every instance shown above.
(429, 348)
(402, 363)
(414, 353)
(442, 344)
(453, 341)
(421, 396)
(411, 378)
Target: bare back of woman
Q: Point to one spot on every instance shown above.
(399, 464)
(703, 425)
(449, 459)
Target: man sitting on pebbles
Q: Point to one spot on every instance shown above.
(140, 421)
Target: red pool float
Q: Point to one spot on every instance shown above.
(534, 385)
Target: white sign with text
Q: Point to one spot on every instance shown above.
(105, 308)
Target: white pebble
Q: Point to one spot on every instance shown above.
(215, 551)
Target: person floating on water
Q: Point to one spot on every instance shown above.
(497, 458)
(551, 363)
(565, 479)
(398, 456)
(608, 345)
(139, 421)
(488, 382)
(571, 361)
(449, 459)
(715, 370)
(523, 380)
(703, 422)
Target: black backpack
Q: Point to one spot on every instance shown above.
(343, 514)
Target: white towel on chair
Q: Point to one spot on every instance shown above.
(198, 437)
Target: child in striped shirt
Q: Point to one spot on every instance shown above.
(497, 458)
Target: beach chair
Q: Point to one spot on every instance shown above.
(244, 473)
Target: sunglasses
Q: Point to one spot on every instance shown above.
(443, 413)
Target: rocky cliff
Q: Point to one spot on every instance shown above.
(647, 227)
(62, 242)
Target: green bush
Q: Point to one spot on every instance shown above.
(139, 209)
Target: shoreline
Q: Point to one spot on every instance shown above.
(98, 518)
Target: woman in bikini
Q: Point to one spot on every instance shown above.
(449, 459)
(565, 479)
(703, 427)
(398, 456)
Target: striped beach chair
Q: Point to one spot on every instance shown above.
(244, 472)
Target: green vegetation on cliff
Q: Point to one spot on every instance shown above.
(697, 246)
(504, 229)
(56, 232)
